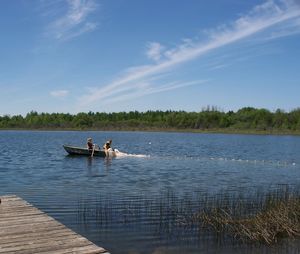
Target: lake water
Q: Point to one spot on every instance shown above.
(132, 204)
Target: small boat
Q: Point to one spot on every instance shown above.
(73, 150)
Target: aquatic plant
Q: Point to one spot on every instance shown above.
(260, 216)
(277, 217)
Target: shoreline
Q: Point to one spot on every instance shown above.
(170, 130)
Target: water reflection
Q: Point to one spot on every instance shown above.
(107, 162)
(98, 167)
(89, 162)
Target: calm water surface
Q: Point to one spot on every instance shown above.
(132, 204)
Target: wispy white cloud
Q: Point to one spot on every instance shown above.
(73, 22)
(154, 51)
(59, 93)
(287, 29)
(220, 66)
(148, 88)
(261, 20)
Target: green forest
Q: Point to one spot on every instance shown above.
(246, 119)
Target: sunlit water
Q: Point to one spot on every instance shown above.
(127, 204)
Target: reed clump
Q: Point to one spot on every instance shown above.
(259, 216)
(277, 219)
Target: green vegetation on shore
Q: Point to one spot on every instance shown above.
(245, 120)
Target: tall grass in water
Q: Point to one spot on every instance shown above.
(262, 217)
(274, 217)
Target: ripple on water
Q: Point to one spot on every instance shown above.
(132, 203)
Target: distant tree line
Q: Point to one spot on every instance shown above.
(247, 118)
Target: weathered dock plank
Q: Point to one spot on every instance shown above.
(27, 230)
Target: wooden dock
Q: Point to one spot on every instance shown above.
(25, 229)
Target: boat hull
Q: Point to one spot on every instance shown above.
(73, 150)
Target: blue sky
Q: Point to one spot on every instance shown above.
(116, 55)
